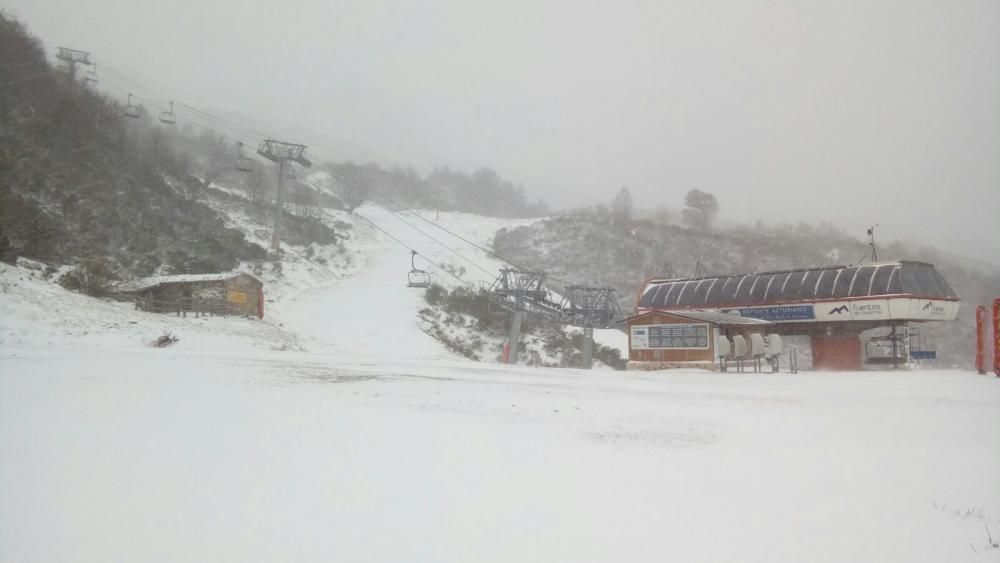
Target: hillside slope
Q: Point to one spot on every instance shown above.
(79, 180)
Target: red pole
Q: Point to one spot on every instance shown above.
(981, 339)
(996, 336)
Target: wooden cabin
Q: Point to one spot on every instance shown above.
(234, 293)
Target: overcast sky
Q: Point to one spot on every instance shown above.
(852, 112)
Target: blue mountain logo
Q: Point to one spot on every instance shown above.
(838, 310)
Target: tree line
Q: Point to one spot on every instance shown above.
(482, 192)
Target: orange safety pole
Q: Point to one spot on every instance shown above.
(981, 339)
(996, 336)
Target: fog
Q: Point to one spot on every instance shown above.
(849, 112)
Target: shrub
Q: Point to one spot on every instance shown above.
(92, 276)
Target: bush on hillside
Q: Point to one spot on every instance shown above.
(454, 308)
(92, 276)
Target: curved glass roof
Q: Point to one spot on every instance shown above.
(917, 279)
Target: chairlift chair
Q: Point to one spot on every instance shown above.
(415, 277)
(131, 110)
(886, 350)
(243, 164)
(168, 117)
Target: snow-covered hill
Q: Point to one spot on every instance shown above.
(338, 429)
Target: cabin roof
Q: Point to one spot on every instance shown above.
(143, 284)
(804, 284)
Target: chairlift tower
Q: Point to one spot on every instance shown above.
(72, 58)
(283, 154)
(590, 308)
(519, 292)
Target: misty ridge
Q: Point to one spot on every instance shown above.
(90, 176)
(854, 115)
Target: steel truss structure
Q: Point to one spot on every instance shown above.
(523, 291)
(283, 154)
(520, 292)
(590, 307)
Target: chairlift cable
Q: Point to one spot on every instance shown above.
(413, 251)
(480, 247)
(244, 130)
(456, 235)
(408, 247)
(398, 206)
(237, 131)
(561, 281)
(201, 123)
(126, 78)
(247, 130)
(443, 245)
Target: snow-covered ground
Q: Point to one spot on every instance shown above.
(337, 430)
(156, 455)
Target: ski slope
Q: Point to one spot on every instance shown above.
(337, 430)
(373, 315)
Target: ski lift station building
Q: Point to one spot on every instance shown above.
(832, 305)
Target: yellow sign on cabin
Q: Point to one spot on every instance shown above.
(237, 297)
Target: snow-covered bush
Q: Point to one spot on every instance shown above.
(91, 276)
(463, 320)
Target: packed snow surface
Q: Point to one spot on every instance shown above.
(336, 430)
(154, 455)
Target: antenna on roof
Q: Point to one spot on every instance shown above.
(871, 242)
(698, 271)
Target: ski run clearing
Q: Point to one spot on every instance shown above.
(337, 430)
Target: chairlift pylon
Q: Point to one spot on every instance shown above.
(168, 117)
(416, 277)
(243, 164)
(90, 77)
(131, 110)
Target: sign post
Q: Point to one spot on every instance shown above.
(981, 339)
(996, 336)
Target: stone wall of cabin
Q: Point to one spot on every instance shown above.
(241, 295)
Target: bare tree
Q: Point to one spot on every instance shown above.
(621, 209)
(217, 161)
(304, 200)
(700, 209)
(355, 185)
